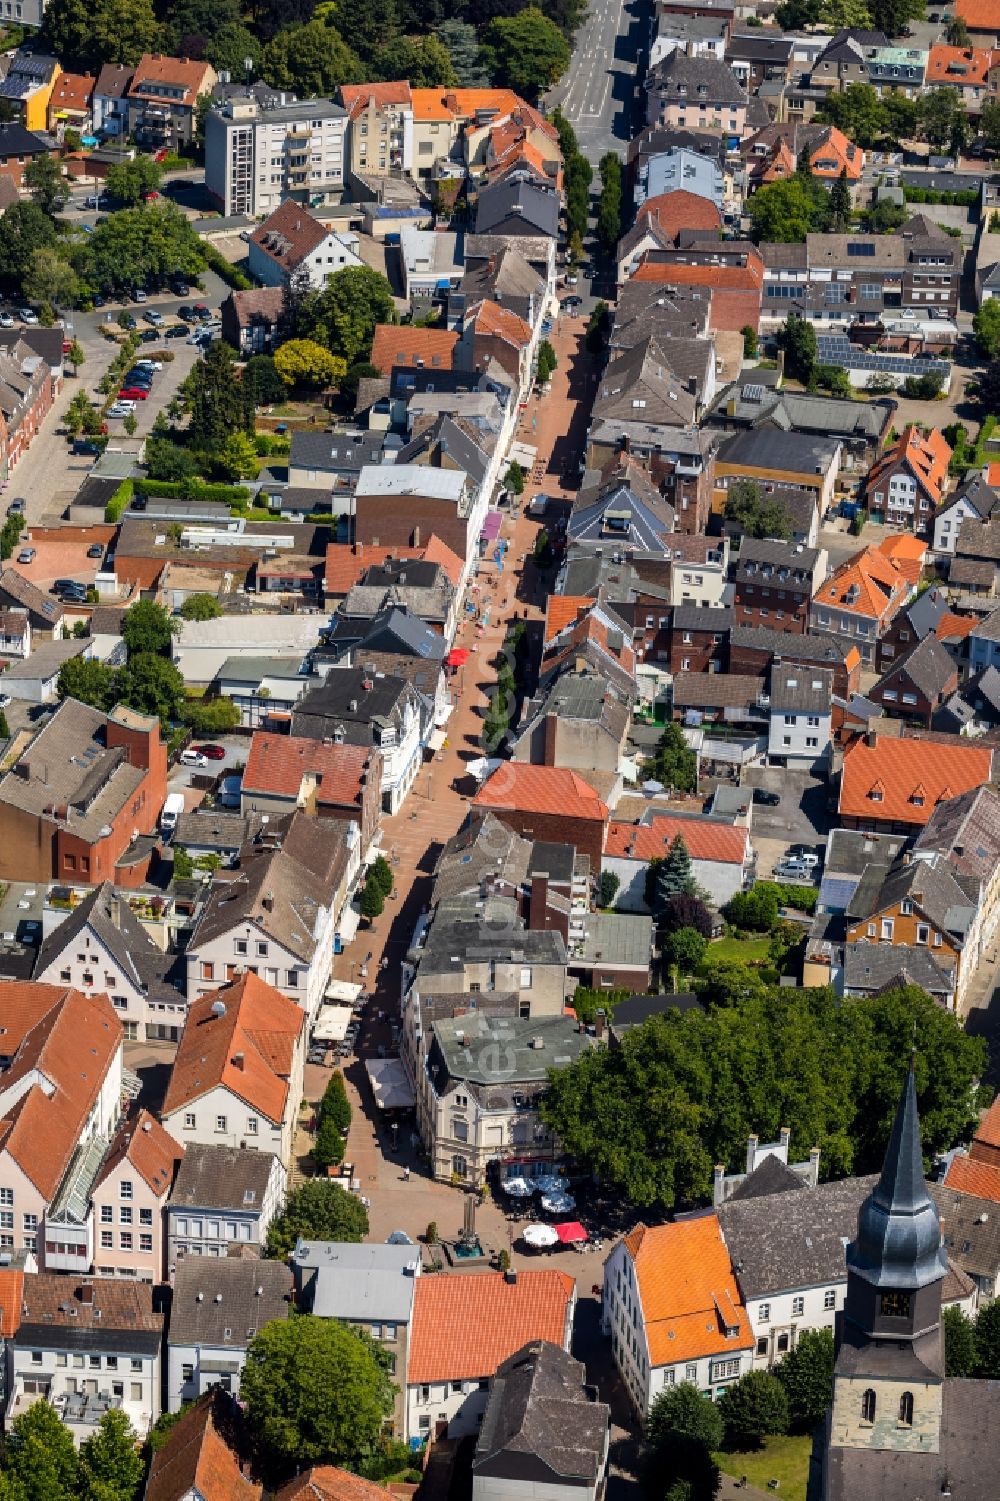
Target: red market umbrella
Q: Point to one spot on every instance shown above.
(458, 656)
(570, 1231)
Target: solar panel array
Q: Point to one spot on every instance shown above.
(837, 349)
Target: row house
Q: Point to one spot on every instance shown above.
(965, 831)
(381, 710)
(696, 92)
(286, 773)
(770, 457)
(906, 485)
(216, 1309)
(860, 600)
(547, 802)
(129, 1198)
(893, 786)
(236, 1079)
(775, 583)
(722, 855)
(222, 1203)
(163, 99)
(917, 686)
(380, 119)
(262, 147)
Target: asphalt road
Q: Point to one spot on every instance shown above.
(597, 93)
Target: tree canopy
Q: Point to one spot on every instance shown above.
(143, 247)
(148, 627)
(526, 52)
(686, 1089)
(85, 34)
(806, 1373)
(313, 60)
(343, 316)
(787, 211)
(316, 1390)
(319, 1210)
(755, 513)
(673, 762)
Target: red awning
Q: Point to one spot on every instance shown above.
(458, 656)
(570, 1231)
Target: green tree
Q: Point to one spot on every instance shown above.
(372, 901)
(183, 864)
(459, 37)
(4, 726)
(787, 211)
(111, 1466)
(749, 342)
(50, 281)
(143, 247)
(303, 362)
(91, 682)
(166, 460)
(228, 48)
(361, 370)
(315, 1390)
(312, 59)
(957, 34)
(960, 1354)
(988, 1341)
(837, 15)
(238, 457)
(424, 60)
(942, 118)
(24, 230)
(755, 911)
(335, 1107)
(797, 338)
(85, 34)
(219, 403)
(989, 123)
(319, 1210)
(40, 1458)
(607, 888)
(986, 328)
(148, 627)
(683, 1412)
(344, 315)
(75, 355)
(806, 1373)
(152, 685)
(380, 871)
(609, 210)
(130, 181)
(752, 1409)
(674, 763)
(547, 361)
(525, 52)
(211, 716)
(891, 16)
(859, 113)
(200, 607)
(43, 177)
(884, 217)
(684, 950)
(514, 478)
(262, 381)
(675, 876)
(755, 513)
(840, 204)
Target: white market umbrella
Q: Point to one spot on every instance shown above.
(550, 1183)
(519, 1188)
(559, 1203)
(540, 1237)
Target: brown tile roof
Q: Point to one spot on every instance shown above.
(562, 610)
(926, 457)
(904, 780)
(705, 839)
(397, 345)
(987, 1132)
(11, 1299)
(328, 1483)
(540, 789)
(463, 1327)
(278, 763)
(89, 1303)
(972, 1177)
(978, 15)
(69, 1040)
(289, 234)
(259, 1025)
(869, 584)
(195, 1460)
(150, 1149)
(259, 302)
(680, 210)
(491, 319)
(357, 97)
(72, 91)
(439, 552)
(961, 67)
(153, 68)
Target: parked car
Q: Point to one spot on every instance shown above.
(121, 408)
(148, 364)
(152, 316)
(192, 757)
(211, 752)
(131, 323)
(133, 393)
(5, 700)
(766, 798)
(26, 555)
(90, 201)
(806, 855)
(187, 313)
(26, 315)
(573, 301)
(571, 279)
(6, 320)
(150, 336)
(180, 288)
(792, 870)
(98, 300)
(177, 331)
(95, 550)
(17, 506)
(202, 311)
(139, 295)
(69, 586)
(86, 446)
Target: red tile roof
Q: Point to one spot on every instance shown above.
(962, 67)
(744, 278)
(398, 344)
(11, 1298)
(347, 564)
(971, 1177)
(988, 1131)
(562, 610)
(151, 1151)
(904, 780)
(464, 1327)
(869, 584)
(70, 1040)
(71, 91)
(172, 72)
(954, 627)
(277, 765)
(357, 97)
(499, 322)
(328, 1483)
(680, 210)
(259, 1026)
(289, 234)
(705, 839)
(195, 1460)
(837, 154)
(439, 552)
(541, 789)
(978, 15)
(687, 1290)
(925, 456)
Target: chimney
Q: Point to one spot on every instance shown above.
(115, 909)
(751, 1152)
(784, 1137)
(510, 1276)
(549, 750)
(814, 1166)
(267, 901)
(718, 1184)
(538, 902)
(238, 1061)
(599, 1020)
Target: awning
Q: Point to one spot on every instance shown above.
(570, 1231)
(332, 1023)
(491, 526)
(390, 1086)
(350, 921)
(436, 739)
(342, 992)
(458, 656)
(443, 714)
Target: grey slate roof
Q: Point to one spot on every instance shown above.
(504, 1053)
(767, 448)
(113, 923)
(970, 1230)
(335, 453)
(874, 967)
(692, 78)
(523, 200)
(215, 830)
(925, 612)
(772, 1176)
(813, 648)
(702, 618)
(796, 1241)
(357, 1282)
(928, 883)
(483, 846)
(803, 690)
(929, 667)
(220, 1178)
(966, 829)
(236, 1299)
(540, 1422)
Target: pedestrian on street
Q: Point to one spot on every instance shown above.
(406, 1175)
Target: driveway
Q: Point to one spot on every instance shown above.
(801, 817)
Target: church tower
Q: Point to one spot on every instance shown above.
(889, 1373)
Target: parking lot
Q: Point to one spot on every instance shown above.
(186, 778)
(800, 817)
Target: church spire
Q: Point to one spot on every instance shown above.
(899, 1233)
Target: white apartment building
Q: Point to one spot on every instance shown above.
(258, 153)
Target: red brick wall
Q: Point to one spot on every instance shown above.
(396, 520)
(750, 600)
(699, 651)
(558, 828)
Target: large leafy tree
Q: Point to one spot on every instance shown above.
(797, 338)
(959, 1342)
(526, 52)
(91, 682)
(682, 1411)
(228, 49)
(986, 328)
(44, 179)
(219, 402)
(50, 281)
(25, 228)
(942, 118)
(686, 1090)
(129, 180)
(345, 314)
(754, 513)
(891, 16)
(148, 627)
(303, 362)
(788, 211)
(859, 113)
(312, 59)
(152, 685)
(988, 1341)
(111, 1466)
(425, 61)
(806, 1373)
(84, 34)
(752, 1409)
(193, 22)
(143, 246)
(319, 1210)
(367, 29)
(674, 763)
(315, 1391)
(40, 1460)
(261, 378)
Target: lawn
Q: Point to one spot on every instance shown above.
(782, 1458)
(738, 951)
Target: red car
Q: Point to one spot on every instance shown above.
(133, 393)
(210, 752)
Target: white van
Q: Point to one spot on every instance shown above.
(793, 870)
(172, 810)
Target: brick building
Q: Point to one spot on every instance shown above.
(775, 582)
(547, 803)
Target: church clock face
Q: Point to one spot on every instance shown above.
(895, 1305)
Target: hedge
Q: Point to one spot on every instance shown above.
(229, 274)
(120, 501)
(934, 195)
(802, 898)
(192, 490)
